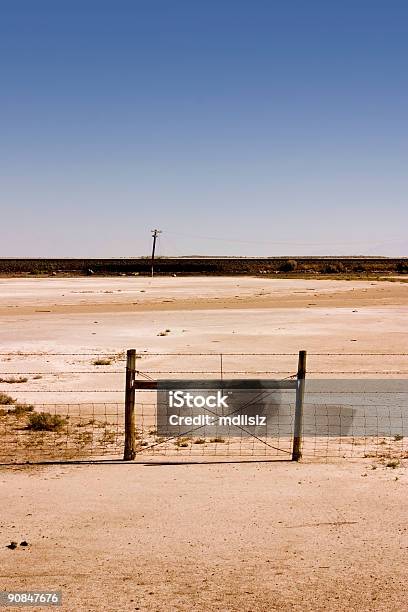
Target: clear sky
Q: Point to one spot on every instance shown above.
(254, 127)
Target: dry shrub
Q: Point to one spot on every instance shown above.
(6, 400)
(20, 410)
(44, 421)
(102, 362)
(288, 266)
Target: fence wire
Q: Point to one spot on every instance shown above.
(32, 430)
(96, 431)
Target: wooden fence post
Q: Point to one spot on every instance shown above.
(130, 432)
(300, 392)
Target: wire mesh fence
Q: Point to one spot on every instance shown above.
(224, 441)
(96, 431)
(61, 432)
(79, 425)
(343, 430)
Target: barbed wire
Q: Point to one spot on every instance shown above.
(382, 392)
(148, 372)
(121, 356)
(275, 372)
(149, 354)
(62, 391)
(59, 373)
(42, 354)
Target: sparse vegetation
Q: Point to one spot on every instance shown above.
(217, 440)
(101, 423)
(208, 265)
(335, 268)
(102, 362)
(45, 421)
(86, 423)
(402, 267)
(20, 410)
(6, 400)
(182, 442)
(199, 441)
(392, 463)
(398, 437)
(108, 437)
(289, 266)
(84, 437)
(14, 380)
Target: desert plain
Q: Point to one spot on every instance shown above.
(253, 536)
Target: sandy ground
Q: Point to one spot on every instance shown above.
(130, 294)
(233, 537)
(203, 315)
(245, 536)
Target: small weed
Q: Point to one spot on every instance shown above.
(85, 437)
(85, 423)
(44, 421)
(398, 437)
(199, 441)
(102, 362)
(108, 437)
(182, 442)
(101, 423)
(392, 463)
(6, 400)
(13, 380)
(37, 377)
(163, 333)
(20, 410)
(217, 440)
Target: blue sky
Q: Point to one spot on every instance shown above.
(238, 128)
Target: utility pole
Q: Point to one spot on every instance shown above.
(155, 233)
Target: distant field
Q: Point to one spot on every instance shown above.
(218, 266)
